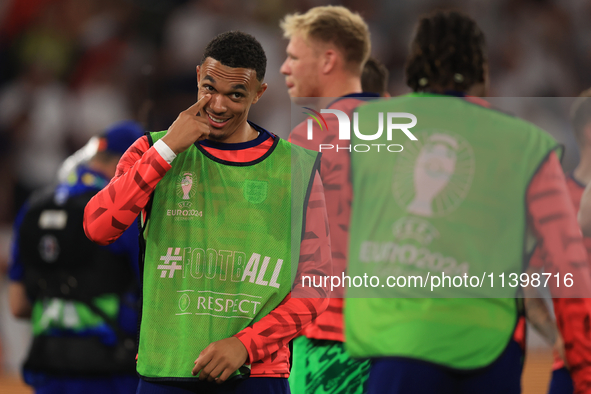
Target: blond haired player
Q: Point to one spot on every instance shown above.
(328, 47)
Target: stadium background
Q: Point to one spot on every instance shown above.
(70, 68)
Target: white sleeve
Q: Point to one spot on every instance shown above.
(164, 151)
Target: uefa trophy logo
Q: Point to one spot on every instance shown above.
(186, 185)
(185, 188)
(436, 174)
(433, 170)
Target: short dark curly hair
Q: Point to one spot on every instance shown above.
(448, 50)
(237, 50)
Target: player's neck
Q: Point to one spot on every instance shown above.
(583, 171)
(476, 90)
(244, 133)
(340, 85)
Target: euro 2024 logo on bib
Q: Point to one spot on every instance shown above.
(434, 176)
(186, 187)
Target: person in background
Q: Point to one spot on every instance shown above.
(584, 214)
(450, 197)
(327, 49)
(374, 78)
(576, 182)
(81, 298)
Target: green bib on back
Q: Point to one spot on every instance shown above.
(221, 241)
(452, 202)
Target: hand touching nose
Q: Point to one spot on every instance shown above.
(188, 127)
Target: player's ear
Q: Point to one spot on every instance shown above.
(329, 61)
(260, 92)
(198, 68)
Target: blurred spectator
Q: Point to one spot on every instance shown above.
(84, 316)
(33, 120)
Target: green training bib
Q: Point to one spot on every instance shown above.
(452, 202)
(221, 241)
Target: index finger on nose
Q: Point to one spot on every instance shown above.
(195, 108)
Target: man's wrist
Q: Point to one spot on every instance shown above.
(243, 342)
(164, 151)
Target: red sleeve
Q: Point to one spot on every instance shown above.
(276, 329)
(335, 172)
(554, 221)
(112, 210)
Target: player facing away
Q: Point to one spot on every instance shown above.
(451, 194)
(224, 204)
(327, 49)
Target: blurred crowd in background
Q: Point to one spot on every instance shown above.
(71, 68)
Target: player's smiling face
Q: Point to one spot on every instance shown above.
(233, 91)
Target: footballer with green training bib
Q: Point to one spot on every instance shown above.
(231, 217)
(458, 198)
